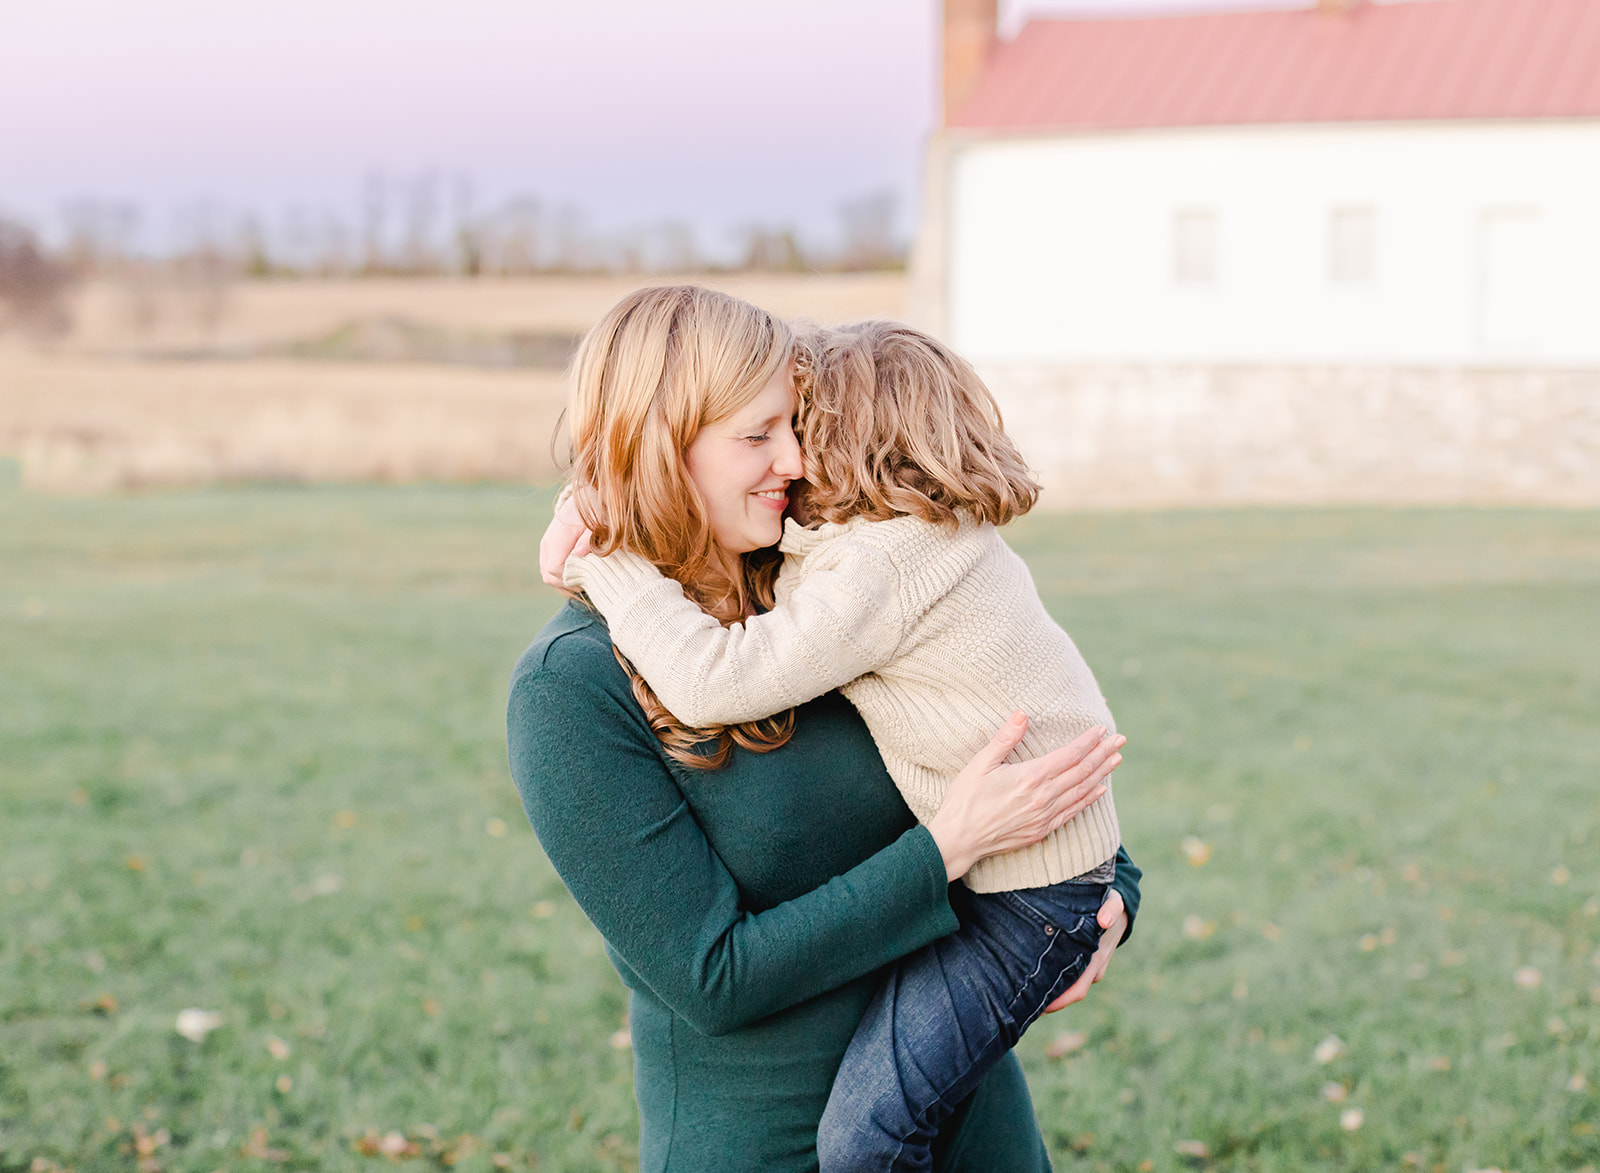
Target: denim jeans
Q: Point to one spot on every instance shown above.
(946, 1014)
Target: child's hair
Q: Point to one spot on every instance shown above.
(659, 366)
(893, 422)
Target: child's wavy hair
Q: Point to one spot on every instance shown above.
(657, 368)
(893, 422)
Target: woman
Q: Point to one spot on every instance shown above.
(746, 906)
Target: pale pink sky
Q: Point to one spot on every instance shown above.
(717, 112)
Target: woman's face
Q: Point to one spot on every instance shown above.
(743, 464)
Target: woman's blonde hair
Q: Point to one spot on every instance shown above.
(657, 368)
(893, 422)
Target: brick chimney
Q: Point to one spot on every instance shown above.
(969, 34)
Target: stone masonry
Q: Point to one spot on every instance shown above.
(1146, 436)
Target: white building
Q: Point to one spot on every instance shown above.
(1345, 253)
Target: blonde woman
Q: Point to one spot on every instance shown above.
(750, 881)
(902, 594)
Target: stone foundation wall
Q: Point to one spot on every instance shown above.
(1117, 436)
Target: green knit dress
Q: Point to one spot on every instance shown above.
(747, 909)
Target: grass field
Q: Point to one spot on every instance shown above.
(252, 762)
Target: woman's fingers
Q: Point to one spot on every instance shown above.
(1112, 909)
(1085, 754)
(1113, 920)
(1079, 785)
(1006, 739)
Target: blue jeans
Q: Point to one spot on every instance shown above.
(945, 1016)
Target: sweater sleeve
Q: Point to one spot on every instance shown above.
(1127, 885)
(617, 829)
(843, 618)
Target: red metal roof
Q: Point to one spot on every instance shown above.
(1428, 59)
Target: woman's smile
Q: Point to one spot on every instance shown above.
(742, 466)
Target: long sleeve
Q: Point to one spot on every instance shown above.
(619, 832)
(843, 618)
(1127, 885)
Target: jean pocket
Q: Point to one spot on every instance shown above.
(1063, 906)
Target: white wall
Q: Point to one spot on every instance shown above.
(1487, 249)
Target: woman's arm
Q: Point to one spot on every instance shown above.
(620, 834)
(840, 621)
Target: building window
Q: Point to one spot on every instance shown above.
(1352, 246)
(1194, 248)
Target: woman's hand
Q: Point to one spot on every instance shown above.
(993, 806)
(566, 535)
(1113, 918)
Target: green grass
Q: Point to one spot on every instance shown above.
(252, 761)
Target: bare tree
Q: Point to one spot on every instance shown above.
(100, 235)
(869, 237)
(420, 210)
(772, 250)
(33, 284)
(374, 209)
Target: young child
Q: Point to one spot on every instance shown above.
(902, 595)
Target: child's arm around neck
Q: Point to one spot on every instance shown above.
(844, 617)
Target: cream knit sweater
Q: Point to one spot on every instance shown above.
(935, 637)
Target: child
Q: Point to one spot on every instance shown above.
(903, 595)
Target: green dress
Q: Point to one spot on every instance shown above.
(747, 909)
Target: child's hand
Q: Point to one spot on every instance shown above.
(566, 535)
(1113, 919)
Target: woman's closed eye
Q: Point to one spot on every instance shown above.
(760, 439)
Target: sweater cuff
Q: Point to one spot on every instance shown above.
(932, 859)
(609, 577)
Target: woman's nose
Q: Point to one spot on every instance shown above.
(786, 460)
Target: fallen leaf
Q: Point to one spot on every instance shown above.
(1196, 850)
(1329, 1049)
(1334, 1093)
(1066, 1043)
(1197, 929)
(393, 1144)
(1527, 978)
(257, 1147)
(1196, 1150)
(195, 1025)
(1352, 1119)
(277, 1048)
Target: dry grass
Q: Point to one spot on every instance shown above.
(121, 402)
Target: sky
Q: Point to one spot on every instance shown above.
(714, 113)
